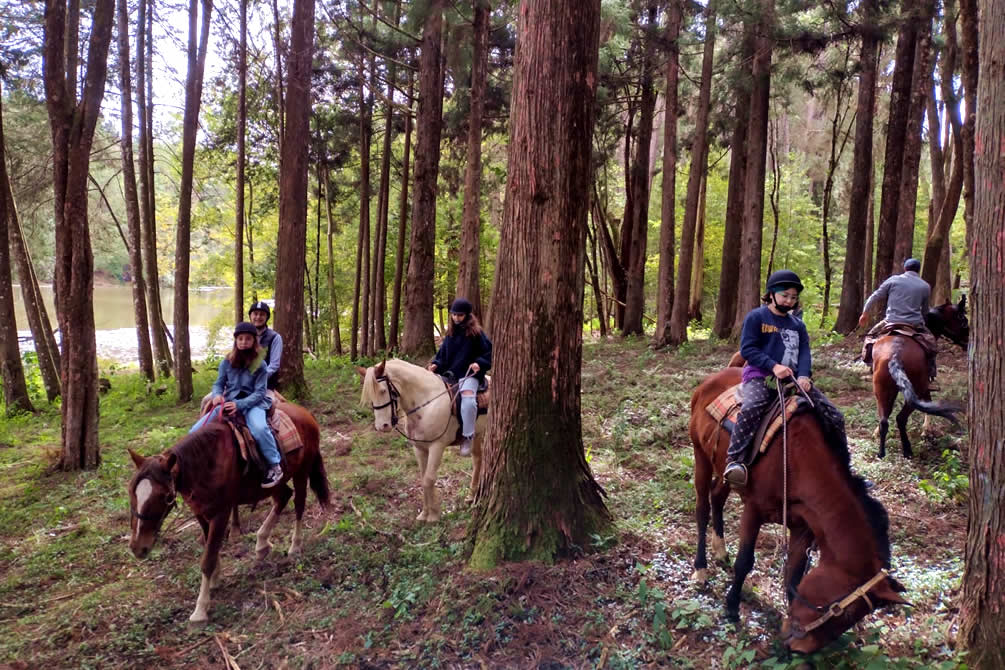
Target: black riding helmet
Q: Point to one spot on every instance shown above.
(461, 306)
(245, 328)
(783, 279)
(260, 306)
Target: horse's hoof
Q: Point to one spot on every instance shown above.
(421, 517)
(719, 549)
(733, 616)
(432, 518)
(700, 576)
(198, 619)
(260, 554)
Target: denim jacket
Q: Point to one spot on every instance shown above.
(244, 386)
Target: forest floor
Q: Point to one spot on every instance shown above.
(376, 589)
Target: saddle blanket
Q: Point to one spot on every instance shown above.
(726, 407)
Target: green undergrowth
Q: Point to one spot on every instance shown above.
(374, 588)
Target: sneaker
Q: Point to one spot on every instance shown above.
(466, 446)
(273, 476)
(735, 474)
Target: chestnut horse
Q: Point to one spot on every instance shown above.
(204, 467)
(827, 505)
(416, 403)
(899, 366)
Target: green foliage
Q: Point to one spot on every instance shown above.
(949, 481)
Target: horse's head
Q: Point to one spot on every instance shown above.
(828, 602)
(381, 395)
(151, 498)
(950, 321)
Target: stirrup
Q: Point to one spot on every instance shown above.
(735, 474)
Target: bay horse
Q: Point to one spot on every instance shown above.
(827, 506)
(417, 403)
(204, 467)
(899, 365)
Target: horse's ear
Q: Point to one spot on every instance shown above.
(137, 459)
(378, 369)
(361, 372)
(169, 460)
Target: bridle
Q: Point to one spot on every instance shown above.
(394, 395)
(835, 609)
(158, 519)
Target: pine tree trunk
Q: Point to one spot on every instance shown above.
(15, 388)
(417, 339)
(38, 317)
(725, 304)
(383, 207)
(468, 282)
(668, 204)
(698, 272)
(748, 295)
(982, 603)
(278, 50)
(291, 254)
(970, 44)
(699, 164)
(399, 257)
(635, 294)
(242, 122)
(336, 335)
(365, 133)
(183, 232)
(73, 124)
(145, 355)
(537, 498)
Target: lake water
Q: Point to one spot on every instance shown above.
(116, 328)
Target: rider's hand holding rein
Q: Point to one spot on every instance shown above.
(229, 408)
(473, 369)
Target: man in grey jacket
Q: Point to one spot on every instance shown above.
(906, 297)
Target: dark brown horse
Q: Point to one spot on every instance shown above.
(204, 467)
(899, 366)
(827, 505)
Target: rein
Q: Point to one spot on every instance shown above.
(394, 395)
(835, 609)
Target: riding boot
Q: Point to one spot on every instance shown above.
(867, 353)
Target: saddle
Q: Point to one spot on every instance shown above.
(482, 397)
(282, 426)
(924, 339)
(726, 407)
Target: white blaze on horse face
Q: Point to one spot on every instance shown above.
(143, 491)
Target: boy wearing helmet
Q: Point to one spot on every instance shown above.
(465, 354)
(775, 344)
(270, 341)
(907, 297)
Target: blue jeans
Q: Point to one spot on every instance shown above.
(469, 406)
(259, 427)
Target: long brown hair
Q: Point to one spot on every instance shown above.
(469, 327)
(244, 358)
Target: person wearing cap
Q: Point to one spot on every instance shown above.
(465, 354)
(270, 341)
(907, 296)
(775, 344)
(241, 387)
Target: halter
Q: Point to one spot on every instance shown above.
(835, 609)
(394, 395)
(158, 519)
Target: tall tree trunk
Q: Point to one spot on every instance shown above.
(859, 201)
(278, 51)
(635, 294)
(365, 133)
(698, 273)
(896, 135)
(970, 43)
(594, 270)
(291, 253)
(418, 336)
(148, 210)
(183, 232)
(336, 335)
(982, 606)
(921, 84)
(699, 164)
(399, 257)
(242, 122)
(725, 304)
(534, 453)
(15, 388)
(131, 198)
(774, 196)
(668, 203)
(46, 349)
(468, 284)
(748, 295)
(72, 124)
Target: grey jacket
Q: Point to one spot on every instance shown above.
(906, 298)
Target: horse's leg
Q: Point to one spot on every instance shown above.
(429, 492)
(299, 503)
(719, 495)
(884, 405)
(422, 457)
(905, 441)
(279, 499)
(750, 525)
(795, 563)
(210, 565)
(702, 479)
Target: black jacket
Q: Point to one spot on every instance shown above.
(459, 351)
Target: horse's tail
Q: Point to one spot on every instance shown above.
(903, 383)
(319, 481)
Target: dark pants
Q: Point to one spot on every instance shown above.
(757, 398)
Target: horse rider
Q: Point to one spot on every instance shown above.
(270, 341)
(907, 296)
(465, 354)
(774, 343)
(241, 387)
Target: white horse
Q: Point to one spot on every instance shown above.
(416, 403)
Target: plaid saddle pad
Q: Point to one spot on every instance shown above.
(726, 407)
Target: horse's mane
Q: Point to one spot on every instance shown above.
(196, 450)
(370, 389)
